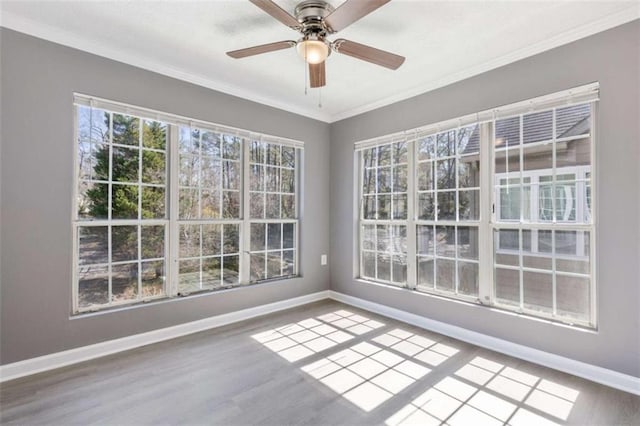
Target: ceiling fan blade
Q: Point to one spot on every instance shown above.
(277, 12)
(350, 11)
(317, 75)
(263, 48)
(368, 53)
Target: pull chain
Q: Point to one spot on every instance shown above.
(305, 79)
(319, 97)
(306, 69)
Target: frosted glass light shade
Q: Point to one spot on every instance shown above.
(313, 51)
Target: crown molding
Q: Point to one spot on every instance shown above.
(56, 35)
(605, 23)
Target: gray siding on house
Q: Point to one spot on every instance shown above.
(612, 58)
(38, 81)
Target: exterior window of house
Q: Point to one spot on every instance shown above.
(495, 207)
(162, 206)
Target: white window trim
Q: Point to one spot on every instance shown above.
(488, 223)
(172, 221)
(408, 223)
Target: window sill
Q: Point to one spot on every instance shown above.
(494, 308)
(169, 299)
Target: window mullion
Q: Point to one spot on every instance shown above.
(360, 211)
(110, 205)
(554, 301)
(412, 260)
(485, 231)
(140, 217)
(74, 212)
(520, 233)
(593, 212)
(245, 257)
(174, 241)
(456, 163)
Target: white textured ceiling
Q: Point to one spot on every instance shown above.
(443, 41)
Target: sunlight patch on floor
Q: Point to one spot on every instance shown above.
(299, 340)
(372, 372)
(484, 392)
(367, 373)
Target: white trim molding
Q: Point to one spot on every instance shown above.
(591, 372)
(72, 356)
(594, 373)
(61, 36)
(57, 35)
(605, 23)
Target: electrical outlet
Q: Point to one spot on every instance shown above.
(323, 259)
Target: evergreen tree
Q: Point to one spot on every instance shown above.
(125, 170)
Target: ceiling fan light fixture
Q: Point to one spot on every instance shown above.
(313, 51)
(315, 20)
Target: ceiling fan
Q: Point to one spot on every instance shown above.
(315, 20)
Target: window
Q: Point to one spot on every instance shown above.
(121, 208)
(542, 251)
(448, 188)
(495, 208)
(384, 213)
(167, 207)
(208, 210)
(273, 211)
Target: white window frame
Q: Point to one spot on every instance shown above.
(390, 222)
(248, 220)
(488, 222)
(171, 222)
(456, 222)
(220, 221)
(535, 225)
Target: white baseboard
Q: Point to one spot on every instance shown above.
(594, 373)
(73, 356)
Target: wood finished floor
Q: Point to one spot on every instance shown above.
(320, 364)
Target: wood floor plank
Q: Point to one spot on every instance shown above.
(324, 363)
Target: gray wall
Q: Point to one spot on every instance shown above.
(613, 59)
(38, 79)
(36, 170)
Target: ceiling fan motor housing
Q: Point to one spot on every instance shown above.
(311, 14)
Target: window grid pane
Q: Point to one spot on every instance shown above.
(448, 191)
(541, 220)
(210, 179)
(384, 212)
(272, 211)
(544, 270)
(121, 222)
(121, 208)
